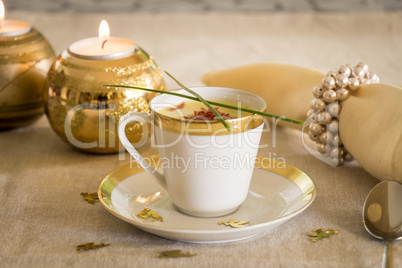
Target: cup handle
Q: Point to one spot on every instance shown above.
(139, 117)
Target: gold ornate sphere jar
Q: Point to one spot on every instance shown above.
(24, 61)
(83, 111)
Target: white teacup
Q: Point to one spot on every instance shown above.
(206, 169)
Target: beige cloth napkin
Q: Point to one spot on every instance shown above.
(370, 121)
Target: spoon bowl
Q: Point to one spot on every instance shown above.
(382, 215)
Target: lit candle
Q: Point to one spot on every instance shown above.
(103, 47)
(12, 27)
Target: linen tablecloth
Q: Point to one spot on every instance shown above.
(43, 216)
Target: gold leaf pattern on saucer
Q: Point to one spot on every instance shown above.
(146, 213)
(234, 223)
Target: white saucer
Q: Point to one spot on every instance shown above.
(275, 196)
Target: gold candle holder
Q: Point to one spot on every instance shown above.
(84, 113)
(24, 62)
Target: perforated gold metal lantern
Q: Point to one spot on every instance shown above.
(84, 112)
(24, 62)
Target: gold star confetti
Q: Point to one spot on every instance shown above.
(234, 223)
(90, 245)
(146, 213)
(91, 198)
(319, 233)
(176, 253)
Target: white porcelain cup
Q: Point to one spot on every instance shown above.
(206, 169)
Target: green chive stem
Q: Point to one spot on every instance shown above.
(212, 102)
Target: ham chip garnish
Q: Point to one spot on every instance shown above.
(205, 114)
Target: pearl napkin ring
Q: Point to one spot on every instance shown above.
(326, 106)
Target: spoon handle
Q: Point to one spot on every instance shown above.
(387, 257)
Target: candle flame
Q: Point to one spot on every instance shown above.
(2, 11)
(104, 31)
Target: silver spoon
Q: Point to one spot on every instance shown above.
(382, 215)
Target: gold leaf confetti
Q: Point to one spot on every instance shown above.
(91, 198)
(234, 223)
(319, 233)
(176, 253)
(90, 245)
(146, 213)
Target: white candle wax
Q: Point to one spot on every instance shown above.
(14, 27)
(96, 48)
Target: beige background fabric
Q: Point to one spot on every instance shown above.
(43, 217)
